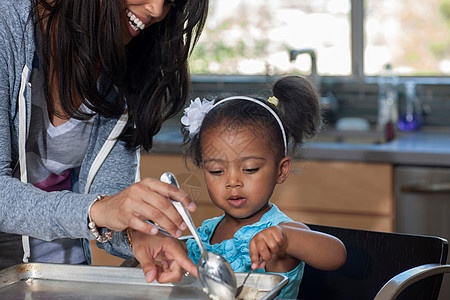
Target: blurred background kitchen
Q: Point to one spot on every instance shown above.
(382, 161)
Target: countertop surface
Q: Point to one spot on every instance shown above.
(419, 148)
(427, 147)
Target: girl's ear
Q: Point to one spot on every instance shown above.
(284, 167)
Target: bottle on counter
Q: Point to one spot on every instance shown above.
(387, 102)
(410, 118)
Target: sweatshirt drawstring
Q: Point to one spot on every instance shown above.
(22, 151)
(104, 151)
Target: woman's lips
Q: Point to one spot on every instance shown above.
(135, 23)
(236, 200)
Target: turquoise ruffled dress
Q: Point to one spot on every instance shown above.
(236, 251)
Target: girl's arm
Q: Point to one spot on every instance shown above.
(282, 247)
(319, 250)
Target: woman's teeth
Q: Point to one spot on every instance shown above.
(134, 22)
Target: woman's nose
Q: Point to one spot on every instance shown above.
(155, 8)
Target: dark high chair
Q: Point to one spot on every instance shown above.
(373, 259)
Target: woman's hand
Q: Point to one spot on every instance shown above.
(142, 201)
(168, 251)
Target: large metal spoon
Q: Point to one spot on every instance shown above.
(214, 271)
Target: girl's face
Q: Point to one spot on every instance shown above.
(241, 171)
(139, 14)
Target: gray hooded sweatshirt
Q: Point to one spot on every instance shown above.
(107, 168)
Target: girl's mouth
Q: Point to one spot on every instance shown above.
(135, 23)
(236, 200)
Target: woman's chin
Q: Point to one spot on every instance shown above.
(129, 34)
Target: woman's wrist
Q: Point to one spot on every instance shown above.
(95, 210)
(100, 237)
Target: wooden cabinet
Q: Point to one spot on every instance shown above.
(346, 194)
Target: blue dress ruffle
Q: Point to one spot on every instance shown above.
(236, 250)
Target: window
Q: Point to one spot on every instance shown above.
(253, 37)
(413, 36)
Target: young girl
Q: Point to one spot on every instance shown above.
(241, 146)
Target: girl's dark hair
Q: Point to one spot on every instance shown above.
(298, 110)
(150, 74)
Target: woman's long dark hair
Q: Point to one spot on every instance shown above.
(151, 73)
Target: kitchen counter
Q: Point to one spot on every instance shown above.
(428, 147)
(420, 149)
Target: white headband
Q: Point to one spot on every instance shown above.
(196, 111)
(263, 105)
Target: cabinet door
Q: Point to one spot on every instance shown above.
(348, 194)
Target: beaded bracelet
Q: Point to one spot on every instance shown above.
(107, 235)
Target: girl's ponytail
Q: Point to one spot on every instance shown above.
(298, 107)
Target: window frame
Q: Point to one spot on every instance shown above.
(356, 56)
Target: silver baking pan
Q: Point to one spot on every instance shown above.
(61, 281)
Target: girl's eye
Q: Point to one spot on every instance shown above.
(170, 2)
(253, 170)
(215, 172)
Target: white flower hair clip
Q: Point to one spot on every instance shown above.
(194, 115)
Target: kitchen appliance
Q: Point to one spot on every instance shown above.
(422, 196)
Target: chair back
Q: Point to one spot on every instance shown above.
(372, 259)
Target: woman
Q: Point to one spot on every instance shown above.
(83, 86)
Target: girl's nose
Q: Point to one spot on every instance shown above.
(155, 8)
(233, 180)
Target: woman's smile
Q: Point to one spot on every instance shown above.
(139, 15)
(135, 23)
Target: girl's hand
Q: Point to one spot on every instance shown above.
(142, 201)
(266, 245)
(168, 251)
